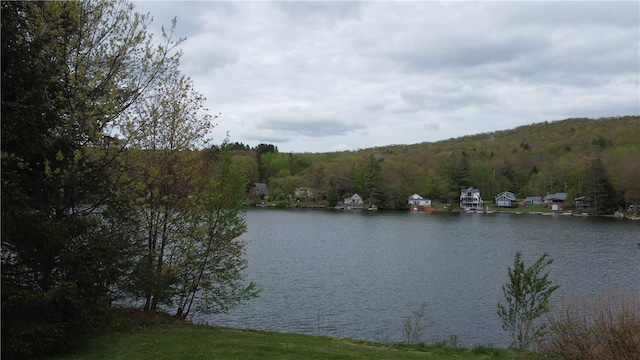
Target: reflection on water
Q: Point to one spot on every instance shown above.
(360, 274)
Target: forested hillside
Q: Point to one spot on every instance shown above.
(593, 157)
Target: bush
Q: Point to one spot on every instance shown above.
(527, 298)
(39, 323)
(605, 327)
(414, 327)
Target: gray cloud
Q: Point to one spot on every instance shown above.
(315, 128)
(316, 76)
(326, 9)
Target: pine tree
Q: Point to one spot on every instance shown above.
(603, 196)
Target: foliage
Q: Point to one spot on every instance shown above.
(371, 178)
(414, 327)
(210, 262)
(101, 170)
(454, 171)
(70, 70)
(531, 160)
(527, 298)
(603, 197)
(606, 326)
(162, 177)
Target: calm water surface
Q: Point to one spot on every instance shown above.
(358, 274)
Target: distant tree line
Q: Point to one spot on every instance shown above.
(598, 158)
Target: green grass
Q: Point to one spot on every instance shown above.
(185, 341)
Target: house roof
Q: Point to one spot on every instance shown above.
(415, 197)
(556, 196)
(261, 187)
(506, 195)
(534, 198)
(356, 197)
(471, 190)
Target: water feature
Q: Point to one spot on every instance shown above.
(359, 274)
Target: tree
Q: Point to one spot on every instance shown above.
(455, 173)
(165, 177)
(70, 71)
(601, 143)
(210, 262)
(629, 173)
(527, 298)
(371, 178)
(604, 197)
(414, 327)
(263, 170)
(482, 176)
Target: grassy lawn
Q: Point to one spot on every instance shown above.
(184, 341)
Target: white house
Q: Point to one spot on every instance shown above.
(417, 202)
(470, 199)
(354, 202)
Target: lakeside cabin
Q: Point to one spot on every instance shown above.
(555, 201)
(505, 199)
(354, 202)
(258, 191)
(532, 200)
(418, 203)
(583, 204)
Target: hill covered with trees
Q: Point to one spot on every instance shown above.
(599, 158)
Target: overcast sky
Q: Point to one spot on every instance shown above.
(332, 76)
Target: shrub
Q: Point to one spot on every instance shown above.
(604, 327)
(527, 295)
(38, 323)
(414, 327)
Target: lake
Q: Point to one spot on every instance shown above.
(359, 274)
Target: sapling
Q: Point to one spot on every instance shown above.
(527, 298)
(414, 327)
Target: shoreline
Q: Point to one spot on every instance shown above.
(617, 215)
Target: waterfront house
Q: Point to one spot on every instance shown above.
(533, 200)
(470, 199)
(354, 202)
(259, 191)
(505, 199)
(555, 201)
(303, 193)
(583, 204)
(418, 203)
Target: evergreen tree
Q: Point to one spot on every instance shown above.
(603, 196)
(456, 176)
(371, 180)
